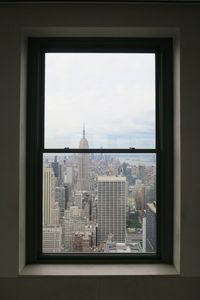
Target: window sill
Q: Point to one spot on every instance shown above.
(99, 270)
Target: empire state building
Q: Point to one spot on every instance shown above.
(83, 165)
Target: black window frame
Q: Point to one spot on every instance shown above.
(163, 48)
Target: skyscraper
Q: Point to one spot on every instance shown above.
(48, 194)
(151, 227)
(60, 198)
(83, 165)
(111, 210)
(50, 206)
(52, 231)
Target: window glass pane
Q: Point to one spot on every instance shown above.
(112, 93)
(99, 203)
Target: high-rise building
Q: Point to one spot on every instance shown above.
(51, 238)
(111, 209)
(48, 195)
(55, 166)
(83, 165)
(68, 175)
(68, 196)
(50, 206)
(151, 227)
(139, 195)
(60, 198)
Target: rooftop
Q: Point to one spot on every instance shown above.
(111, 178)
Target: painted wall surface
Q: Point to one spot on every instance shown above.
(17, 22)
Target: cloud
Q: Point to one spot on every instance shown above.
(113, 93)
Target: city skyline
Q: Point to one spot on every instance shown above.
(98, 203)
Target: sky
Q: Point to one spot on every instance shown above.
(112, 93)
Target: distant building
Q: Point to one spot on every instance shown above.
(68, 196)
(50, 206)
(139, 195)
(144, 234)
(141, 171)
(82, 242)
(111, 208)
(60, 198)
(112, 247)
(78, 199)
(73, 222)
(57, 169)
(55, 166)
(151, 227)
(83, 165)
(68, 175)
(51, 239)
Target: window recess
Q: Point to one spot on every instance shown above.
(99, 150)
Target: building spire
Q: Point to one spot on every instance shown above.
(83, 129)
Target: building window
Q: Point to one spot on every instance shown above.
(99, 150)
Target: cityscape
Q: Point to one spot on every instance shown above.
(99, 202)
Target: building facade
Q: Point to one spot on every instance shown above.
(111, 208)
(52, 239)
(151, 227)
(83, 165)
(50, 206)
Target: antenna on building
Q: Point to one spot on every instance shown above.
(83, 129)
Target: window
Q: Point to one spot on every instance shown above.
(99, 150)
